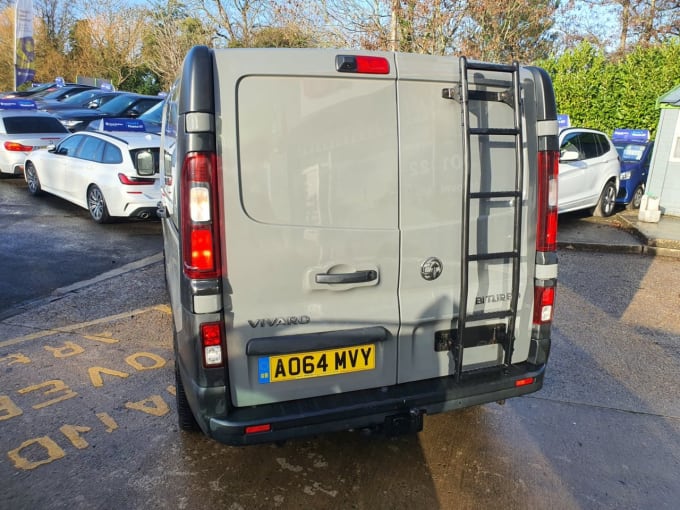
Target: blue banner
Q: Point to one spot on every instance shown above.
(24, 45)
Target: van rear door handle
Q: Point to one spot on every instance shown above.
(357, 277)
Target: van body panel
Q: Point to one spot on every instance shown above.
(340, 197)
(315, 193)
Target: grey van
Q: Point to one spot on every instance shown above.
(355, 240)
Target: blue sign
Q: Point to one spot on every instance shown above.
(134, 125)
(107, 87)
(563, 121)
(17, 104)
(631, 135)
(59, 81)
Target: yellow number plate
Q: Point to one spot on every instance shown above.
(303, 365)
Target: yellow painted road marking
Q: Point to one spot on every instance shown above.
(68, 349)
(54, 452)
(8, 409)
(73, 433)
(110, 423)
(133, 361)
(16, 358)
(57, 385)
(96, 378)
(154, 405)
(70, 329)
(105, 338)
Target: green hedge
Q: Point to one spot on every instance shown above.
(602, 93)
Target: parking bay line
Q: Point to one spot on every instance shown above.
(74, 327)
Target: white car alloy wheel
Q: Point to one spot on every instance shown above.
(97, 205)
(32, 180)
(607, 202)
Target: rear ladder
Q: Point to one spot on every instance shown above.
(511, 97)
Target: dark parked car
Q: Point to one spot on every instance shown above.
(126, 104)
(91, 98)
(151, 120)
(60, 93)
(38, 89)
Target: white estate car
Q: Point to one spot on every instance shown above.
(22, 129)
(112, 173)
(589, 172)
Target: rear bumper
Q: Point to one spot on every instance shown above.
(359, 409)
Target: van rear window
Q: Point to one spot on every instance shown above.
(30, 124)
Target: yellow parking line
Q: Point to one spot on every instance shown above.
(74, 327)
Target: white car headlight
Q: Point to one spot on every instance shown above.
(625, 176)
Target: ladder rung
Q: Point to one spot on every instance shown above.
(493, 256)
(494, 131)
(496, 194)
(487, 66)
(478, 317)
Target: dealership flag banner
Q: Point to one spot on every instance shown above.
(24, 49)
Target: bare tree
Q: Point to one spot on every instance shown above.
(616, 26)
(419, 26)
(235, 21)
(513, 30)
(168, 36)
(110, 40)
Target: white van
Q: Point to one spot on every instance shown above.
(355, 240)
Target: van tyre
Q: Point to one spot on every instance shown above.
(637, 198)
(32, 180)
(185, 418)
(607, 202)
(97, 205)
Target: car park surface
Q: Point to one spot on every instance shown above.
(106, 437)
(126, 104)
(22, 129)
(589, 172)
(635, 150)
(111, 173)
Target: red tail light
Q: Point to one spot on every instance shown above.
(200, 219)
(17, 147)
(211, 341)
(134, 181)
(544, 305)
(546, 227)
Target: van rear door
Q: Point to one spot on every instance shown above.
(311, 225)
(431, 201)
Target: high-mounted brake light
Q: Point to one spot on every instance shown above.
(200, 219)
(546, 226)
(17, 147)
(362, 64)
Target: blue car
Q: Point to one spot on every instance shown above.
(635, 151)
